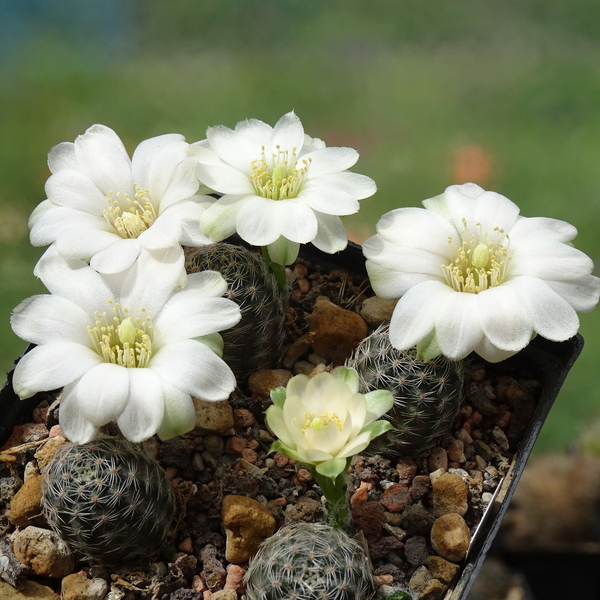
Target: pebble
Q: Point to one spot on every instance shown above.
(369, 518)
(442, 569)
(44, 552)
(500, 438)
(243, 418)
(395, 497)
(235, 578)
(77, 586)
(214, 445)
(235, 446)
(383, 546)
(303, 367)
(262, 382)
(380, 580)
(417, 520)
(437, 459)
(376, 311)
(435, 474)
(407, 469)
(421, 486)
(213, 572)
(212, 417)
(450, 495)
(55, 431)
(450, 537)
(456, 451)
(186, 545)
(334, 331)
(247, 523)
(25, 507)
(249, 455)
(224, 595)
(34, 432)
(28, 591)
(300, 347)
(415, 550)
(304, 476)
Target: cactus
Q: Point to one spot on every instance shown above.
(309, 561)
(256, 342)
(427, 395)
(108, 500)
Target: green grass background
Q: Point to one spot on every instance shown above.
(416, 87)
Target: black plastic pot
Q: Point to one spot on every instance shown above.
(548, 362)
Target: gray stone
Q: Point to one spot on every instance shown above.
(415, 550)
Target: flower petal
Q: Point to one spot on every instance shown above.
(379, 402)
(330, 160)
(46, 318)
(328, 199)
(295, 221)
(277, 424)
(553, 317)
(288, 133)
(101, 393)
(218, 221)
(258, 222)
(73, 189)
(415, 313)
(116, 258)
(179, 415)
(505, 317)
(582, 294)
(457, 325)
(331, 234)
(145, 406)
(52, 366)
(75, 427)
(282, 251)
(194, 369)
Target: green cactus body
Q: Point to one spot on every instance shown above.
(309, 561)
(427, 395)
(108, 500)
(257, 341)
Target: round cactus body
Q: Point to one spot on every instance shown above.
(256, 342)
(309, 561)
(427, 395)
(108, 500)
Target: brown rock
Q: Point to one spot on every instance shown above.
(456, 451)
(421, 486)
(235, 579)
(28, 591)
(234, 446)
(46, 451)
(396, 497)
(406, 468)
(300, 347)
(25, 507)
(247, 523)
(212, 417)
(437, 459)
(450, 494)
(44, 552)
(78, 587)
(369, 518)
(262, 382)
(224, 595)
(450, 537)
(442, 569)
(334, 331)
(242, 417)
(416, 520)
(376, 311)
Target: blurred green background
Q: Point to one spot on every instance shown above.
(506, 94)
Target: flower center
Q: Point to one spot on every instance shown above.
(130, 217)
(284, 179)
(481, 262)
(121, 339)
(321, 421)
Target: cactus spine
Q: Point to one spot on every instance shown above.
(427, 395)
(256, 342)
(309, 561)
(108, 500)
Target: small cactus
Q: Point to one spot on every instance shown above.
(108, 500)
(256, 342)
(427, 395)
(309, 561)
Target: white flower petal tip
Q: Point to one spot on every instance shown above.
(104, 207)
(279, 187)
(324, 419)
(474, 275)
(134, 351)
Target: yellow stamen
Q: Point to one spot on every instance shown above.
(123, 340)
(321, 421)
(284, 179)
(482, 261)
(130, 217)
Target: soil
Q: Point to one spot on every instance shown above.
(479, 448)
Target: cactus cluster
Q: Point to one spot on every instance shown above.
(427, 395)
(108, 500)
(257, 341)
(309, 561)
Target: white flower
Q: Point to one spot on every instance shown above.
(135, 352)
(104, 207)
(281, 187)
(323, 420)
(472, 274)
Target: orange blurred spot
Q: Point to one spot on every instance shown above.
(359, 233)
(472, 164)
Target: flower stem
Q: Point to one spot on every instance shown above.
(277, 269)
(336, 495)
